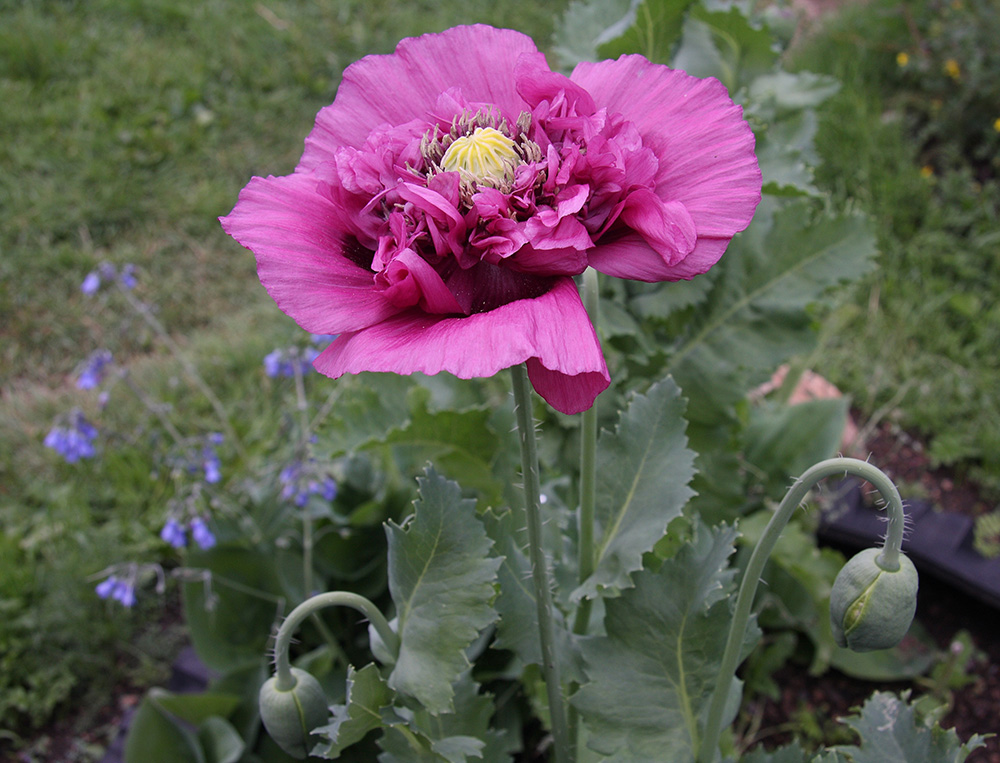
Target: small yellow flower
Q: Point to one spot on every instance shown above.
(952, 69)
(926, 172)
(996, 124)
(902, 59)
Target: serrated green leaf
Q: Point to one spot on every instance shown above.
(441, 580)
(370, 405)
(643, 471)
(517, 630)
(782, 441)
(459, 442)
(466, 734)
(773, 95)
(781, 106)
(653, 674)
(725, 44)
(890, 733)
(757, 315)
(367, 695)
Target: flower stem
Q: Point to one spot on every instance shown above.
(588, 470)
(283, 670)
(539, 570)
(889, 560)
(588, 498)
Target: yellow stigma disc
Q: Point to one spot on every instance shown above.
(487, 155)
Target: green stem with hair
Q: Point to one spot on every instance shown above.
(888, 560)
(539, 569)
(285, 681)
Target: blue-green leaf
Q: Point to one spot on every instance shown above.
(643, 471)
(367, 695)
(222, 743)
(757, 315)
(156, 736)
(891, 733)
(466, 734)
(230, 628)
(441, 578)
(517, 630)
(586, 25)
(653, 674)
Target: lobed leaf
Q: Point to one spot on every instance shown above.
(653, 674)
(441, 579)
(466, 734)
(643, 471)
(890, 733)
(367, 695)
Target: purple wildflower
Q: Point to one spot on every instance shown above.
(285, 361)
(173, 533)
(302, 482)
(127, 277)
(106, 587)
(211, 464)
(202, 535)
(94, 369)
(113, 587)
(74, 440)
(91, 283)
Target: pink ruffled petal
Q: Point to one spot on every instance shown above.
(477, 60)
(295, 233)
(552, 333)
(410, 280)
(631, 257)
(536, 82)
(666, 226)
(704, 146)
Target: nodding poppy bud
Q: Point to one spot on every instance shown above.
(872, 607)
(290, 716)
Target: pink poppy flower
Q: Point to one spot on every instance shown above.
(450, 193)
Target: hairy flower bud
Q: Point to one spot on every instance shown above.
(872, 607)
(290, 716)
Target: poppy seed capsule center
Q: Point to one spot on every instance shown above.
(486, 155)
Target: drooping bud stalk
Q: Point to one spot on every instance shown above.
(292, 703)
(879, 578)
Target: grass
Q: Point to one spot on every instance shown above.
(135, 123)
(918, 341)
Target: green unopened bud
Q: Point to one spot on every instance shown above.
(290, 716)
(872, 607)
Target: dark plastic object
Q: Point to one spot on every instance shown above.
(940, 545)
